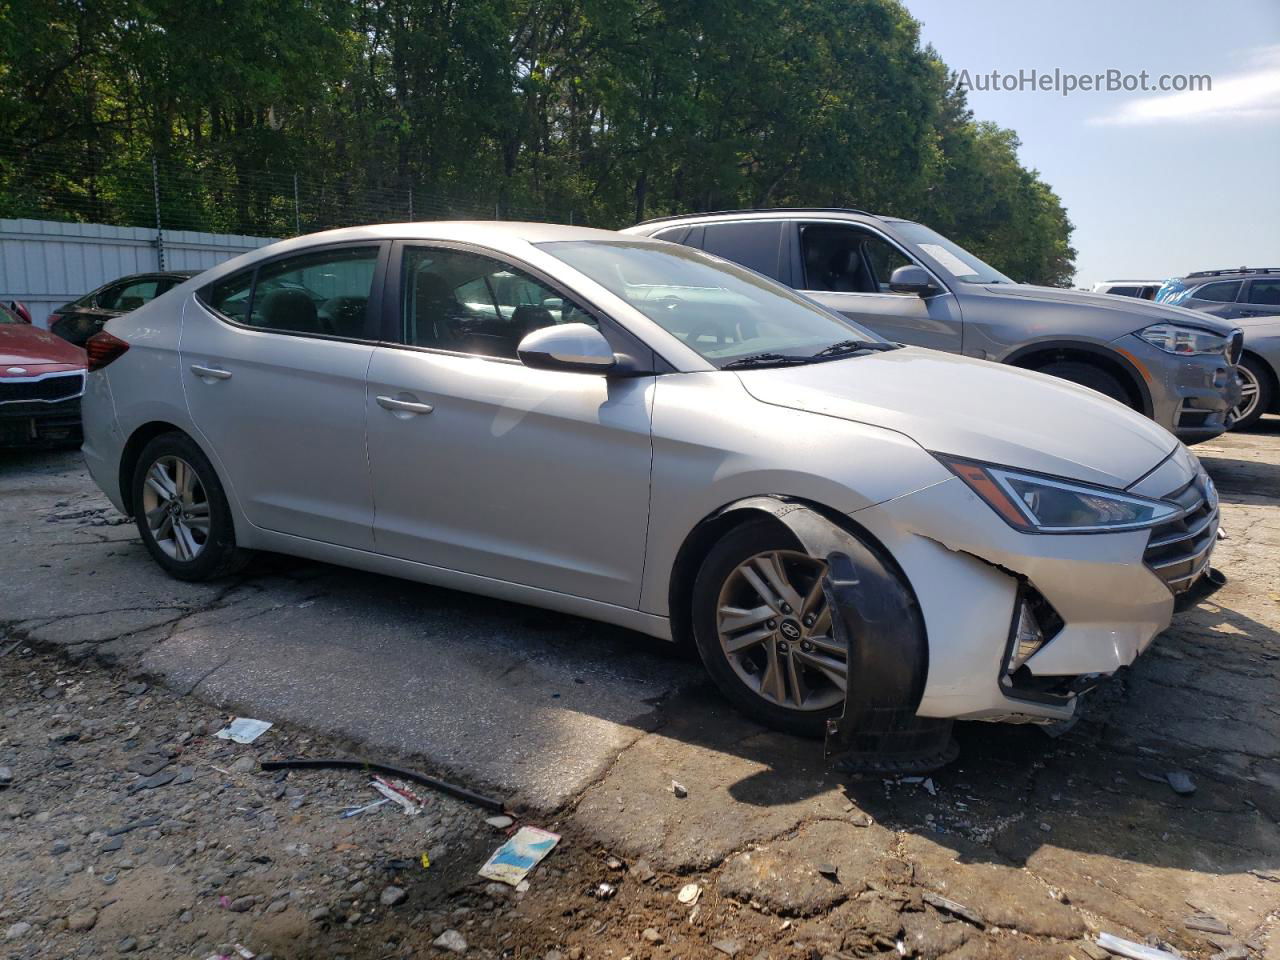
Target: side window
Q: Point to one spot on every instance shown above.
(848, 259)
(325, 292)
(672, 234)
(1123, 291)
(1265, 292)
(753, 244)
(468, 303)
(109, 297)
(230, 296)
(1223, 292)
(136, 294)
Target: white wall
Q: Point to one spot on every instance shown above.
(45, 264)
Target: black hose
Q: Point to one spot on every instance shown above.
(341, 763)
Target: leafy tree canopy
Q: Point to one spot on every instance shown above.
(608, 111)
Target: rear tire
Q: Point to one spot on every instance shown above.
(181, 511)
(1256, 381)
(1088, 375)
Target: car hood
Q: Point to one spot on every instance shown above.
(976, 409)
(1143, 312)
(23, 345)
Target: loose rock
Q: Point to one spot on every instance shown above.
(393, 896)
(82, 920)
(452, 941)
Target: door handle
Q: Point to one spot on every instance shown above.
(211, 372)
(403, 406)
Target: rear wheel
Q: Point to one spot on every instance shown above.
(763, 630)
(1088, 375)
(1255, 393)
(182, 512)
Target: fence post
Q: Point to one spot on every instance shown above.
(411, 204)
(155, 190)
(497, 214)
(297, 215)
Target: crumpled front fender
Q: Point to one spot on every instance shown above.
(876, 616)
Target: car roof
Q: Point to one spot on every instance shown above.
(1236, 273)
(754, 212)
(1121, 283)
(478, 231)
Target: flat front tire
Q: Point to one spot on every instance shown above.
(181, 511)
(763, 631)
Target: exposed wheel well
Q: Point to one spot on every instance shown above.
(133, 450)
(1273, 381)
(704, 536)
(1038, 359)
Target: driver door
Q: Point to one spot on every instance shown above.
(485, 466)
(847, 269)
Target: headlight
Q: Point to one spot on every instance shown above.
(1037, 504)
(1185, 341)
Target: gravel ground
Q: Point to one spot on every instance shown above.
(126, 827)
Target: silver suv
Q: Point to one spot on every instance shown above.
(913, 285)
(1249, 296)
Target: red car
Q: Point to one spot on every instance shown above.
(41, 380)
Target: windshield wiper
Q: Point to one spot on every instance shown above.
(854, 346)
(765, 360)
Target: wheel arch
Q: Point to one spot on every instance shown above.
(711, 528)
(132, 452)
(1038, 355)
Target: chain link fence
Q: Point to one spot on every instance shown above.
(216, 197)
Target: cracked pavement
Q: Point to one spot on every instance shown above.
(588, 723)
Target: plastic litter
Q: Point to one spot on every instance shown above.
(679, 789)
(512, 861)
(395, 796)
(689, 893)
(1134, 951)
(243, 730)
(356, 811)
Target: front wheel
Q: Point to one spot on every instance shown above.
(1255, 393)
(1087, 375)
(182, 512)
(763, 630)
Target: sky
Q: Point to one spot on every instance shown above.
(1157, 184)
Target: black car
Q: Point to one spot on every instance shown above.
(79, 320)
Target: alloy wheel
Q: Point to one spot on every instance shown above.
(176, 508)
(775, 631)
(1248, 393)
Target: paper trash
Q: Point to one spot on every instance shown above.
(243, 730)
(515, 858)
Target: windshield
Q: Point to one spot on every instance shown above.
(1172, 292)
(952, 257)
(729, 315)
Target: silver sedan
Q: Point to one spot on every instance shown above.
(640, 433)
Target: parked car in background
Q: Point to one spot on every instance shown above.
(20, 308)
(913, 285)
(643, 434)
(77, 321)
(1142, 289)
(1249, 297)
(41, 381)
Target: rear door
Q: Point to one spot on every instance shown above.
(1261, 298)
(273, 361)
(485, 466)
(847, 267)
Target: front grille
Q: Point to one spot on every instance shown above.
(1179, 550)
(1235, 347)
(50, 389)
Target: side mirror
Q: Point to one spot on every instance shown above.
(912, 279)
(576, 347)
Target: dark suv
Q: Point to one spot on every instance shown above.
(1250, 297)
(913, 285)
